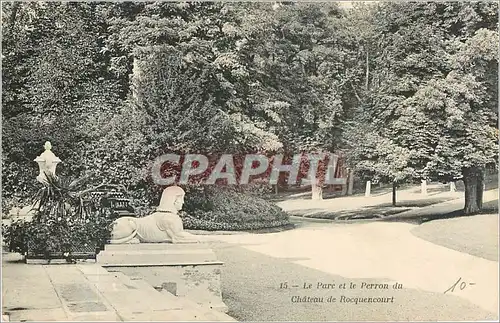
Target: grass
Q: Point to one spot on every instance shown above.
(364, 213)
(417, 203)
(475, 235)
(423, 217)
(379, 211)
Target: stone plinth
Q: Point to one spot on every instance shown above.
(185, 270)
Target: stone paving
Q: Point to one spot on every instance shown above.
(27, 292)
(87, 292)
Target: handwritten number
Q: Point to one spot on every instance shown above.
(461, 286)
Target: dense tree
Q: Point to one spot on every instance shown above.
(414, 125)
(299, 57)
(55, 83)
(409, 90)
(458, 111)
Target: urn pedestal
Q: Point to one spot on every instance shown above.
(185, 270)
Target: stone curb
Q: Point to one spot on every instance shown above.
(204, 232)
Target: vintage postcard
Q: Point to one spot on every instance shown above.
(250, 161)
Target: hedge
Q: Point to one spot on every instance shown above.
(223, 209)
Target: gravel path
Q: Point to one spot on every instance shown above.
(304, 206)
(427, 260)
(251, 284)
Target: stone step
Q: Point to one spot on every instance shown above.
(135, 300)
(156, 246)
(198, 312)
(158, 252)
(183, 301)
(208, 313)
(80, 300)
(174, 302)
(146, 263)
(135, 255)
(127, 297)
(37, 315)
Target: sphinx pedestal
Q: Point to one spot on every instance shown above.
(185, 270)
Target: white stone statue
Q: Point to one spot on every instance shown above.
(47, 162)
(164, 225)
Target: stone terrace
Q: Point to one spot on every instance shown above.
(87, 292)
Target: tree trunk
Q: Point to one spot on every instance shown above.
(423, 187)
(394, 187)
(317, 191)
(453, 188)
(368, 188)
(473, 180)
(344, 189)
(350, 186)
(480, 190)
(367, 77)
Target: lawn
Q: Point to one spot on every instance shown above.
(475, 235)
(378, 211)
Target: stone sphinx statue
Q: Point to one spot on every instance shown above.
(164, 225)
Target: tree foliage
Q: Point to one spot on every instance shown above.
(431, 110)
(407, 91)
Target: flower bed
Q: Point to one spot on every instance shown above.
(71, 252)
(66, 225)
(221, 209)
(61, 239)
(201, 224)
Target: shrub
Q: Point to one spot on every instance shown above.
(66, 222)
(225, 209)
